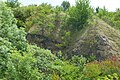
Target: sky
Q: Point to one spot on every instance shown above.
(111, 5)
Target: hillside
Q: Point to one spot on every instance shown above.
(100, 40)
(45, 42)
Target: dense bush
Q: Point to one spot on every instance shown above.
(96, 69)
(15, 63)
(114, 76)
(54, 67)
(9, 30)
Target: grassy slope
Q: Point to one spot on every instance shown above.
(101, 40)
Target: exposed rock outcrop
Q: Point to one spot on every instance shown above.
(100, 40)
(42, 41)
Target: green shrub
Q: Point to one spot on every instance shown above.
(9, 30)
(96, 69)
(114, 76)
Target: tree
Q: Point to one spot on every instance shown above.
(79, 15)
(65, 5)
(97, 10)
(102, 12)
(13, 3)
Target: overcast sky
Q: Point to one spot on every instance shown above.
(111, 5)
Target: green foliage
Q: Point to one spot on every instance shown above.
(35, 16)
(22, 13)
(5, 47)
(66, 71)
(9, 30)
(13, 3)
(65, 40)
(36, 13)
(96, 70)
(43, 57)
(114, 76)
(55, 76)
(21, 67)
(79, 15)
(112, 18)
(91, 71)
(79, 61)
(65, 5)
(52, 66)
(102, 12)
(15, 63)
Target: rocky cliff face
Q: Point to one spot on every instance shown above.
(100, 40)
(42, 41)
